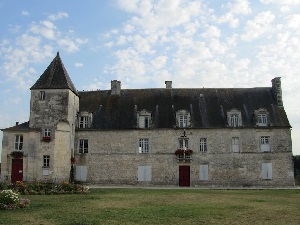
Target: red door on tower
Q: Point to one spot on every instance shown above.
(184, 176)
(16, 170)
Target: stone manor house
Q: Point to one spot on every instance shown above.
(162, 136)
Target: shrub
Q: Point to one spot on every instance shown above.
(9, 199)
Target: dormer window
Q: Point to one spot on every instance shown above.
(42, 95)
(261, 117)
(183, 118)
(144, 119)
(85, 120)
(234, 118)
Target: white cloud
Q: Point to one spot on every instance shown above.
(58, 16)
(239, 7)
(281, 2)
(159, 62)
(25, 13)
(258, 26)
(293, 21)
(78, 65)
(45, 28)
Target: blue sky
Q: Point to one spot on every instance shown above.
(142, 43)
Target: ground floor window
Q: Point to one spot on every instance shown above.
(46, 161)
(83, 146)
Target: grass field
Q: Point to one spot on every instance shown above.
(153, 206)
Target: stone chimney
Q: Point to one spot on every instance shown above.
(276, 89)
(115, 87)
(168, 84)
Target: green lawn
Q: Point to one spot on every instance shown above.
(152, 206)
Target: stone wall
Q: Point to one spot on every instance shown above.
(114, 156)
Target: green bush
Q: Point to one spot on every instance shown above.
(11, 200)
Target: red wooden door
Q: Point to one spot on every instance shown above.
(17, 170)
(184, 176)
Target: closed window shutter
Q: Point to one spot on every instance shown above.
(144, 173)
(141, 122)
(266, 171)
(203, 172)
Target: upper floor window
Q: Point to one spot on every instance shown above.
(203, 145)
(42, 95)
(47, 132)
(183, 118)
(144, 119)
(144, 145)
(265, 143)
(183, 143)
(83, 122)
(83, 146)
(85, 119)
(234, 118)
(19, 142)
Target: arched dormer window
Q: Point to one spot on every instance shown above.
(234, 118)
(85, 120)
(261, 117)
(183, 118)
(144, 119)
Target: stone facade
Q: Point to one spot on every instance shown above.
(116, 162)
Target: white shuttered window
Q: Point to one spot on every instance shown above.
(204, 172)
(266, 171)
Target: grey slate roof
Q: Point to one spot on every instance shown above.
(19, 127)
(209, 111)
(55, 77)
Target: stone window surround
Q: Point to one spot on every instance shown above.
(19, 142)
(83, 146)
(141, 119)
(230, 114)
(87, 119)
(261, 112)
(183, 118)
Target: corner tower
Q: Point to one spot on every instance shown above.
(54, 105)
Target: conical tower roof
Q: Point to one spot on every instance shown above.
(55, 77)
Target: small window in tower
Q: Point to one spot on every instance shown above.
(42, 95)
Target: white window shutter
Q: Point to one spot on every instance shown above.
(144, 173)
(266, 171)
(141, 122)
(203, 172)
(81, 173)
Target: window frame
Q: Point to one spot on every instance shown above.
(234, 118)
(42, 95)
(183, 118)
(46, 161)
(47, 132)
(144, 145)
(265, 143)
(82, 148)
(203, 145)
(83, 121)
(19, 142)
